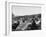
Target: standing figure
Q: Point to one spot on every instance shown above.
(33, 27)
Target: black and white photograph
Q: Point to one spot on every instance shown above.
(22, 18)
(26, 22)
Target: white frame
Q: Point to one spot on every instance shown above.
(9, 4)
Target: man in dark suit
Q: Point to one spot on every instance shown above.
(14, 26)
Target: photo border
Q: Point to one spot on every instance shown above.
(7, 15)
